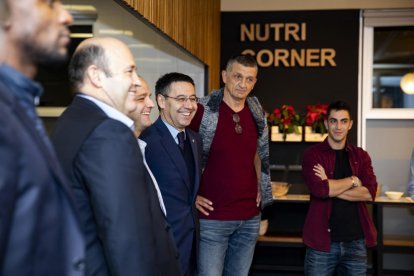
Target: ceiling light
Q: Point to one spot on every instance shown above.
(407, 83)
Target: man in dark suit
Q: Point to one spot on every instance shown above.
(126, 230)
(175, 161)
(40, 233)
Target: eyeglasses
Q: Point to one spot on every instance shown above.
(183, 99)
(238, 128)
(239, 78)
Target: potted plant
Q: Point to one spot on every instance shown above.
(315, 130)
(285, 124)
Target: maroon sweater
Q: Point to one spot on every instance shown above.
(229, 179)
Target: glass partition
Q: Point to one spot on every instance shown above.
(393, 58)
(387, 59)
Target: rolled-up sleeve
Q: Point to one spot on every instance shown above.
(317, 187)
(366, 173)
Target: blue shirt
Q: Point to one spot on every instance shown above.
(27, 93)
(174, 132)
(24, 89)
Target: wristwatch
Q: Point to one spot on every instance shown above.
(354, 183)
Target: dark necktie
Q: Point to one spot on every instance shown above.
(181, 139)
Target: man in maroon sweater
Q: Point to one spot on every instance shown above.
(340, 179)
(236, 178)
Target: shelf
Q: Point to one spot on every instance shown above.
(280, 239)
(378, 200)
(295, 168)
(292, 168)
(291, 198)
(400, 241)
(277, 167)
(403, 200)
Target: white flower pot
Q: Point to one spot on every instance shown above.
(311, 136)
(276, 136)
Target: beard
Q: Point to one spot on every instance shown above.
(43, 55)
(51, 58)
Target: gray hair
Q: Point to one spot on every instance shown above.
(245, 60)
(83, 57)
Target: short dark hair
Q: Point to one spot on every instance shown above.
(338, 105)
(163, 84)
(82, 59)
(245, 60)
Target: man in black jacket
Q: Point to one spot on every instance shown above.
(126, 230)
(40, 233)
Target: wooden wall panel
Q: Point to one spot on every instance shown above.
(193, 24)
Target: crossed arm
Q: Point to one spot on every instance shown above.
(343, 188)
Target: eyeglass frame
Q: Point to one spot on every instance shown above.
(183, 99)
(237, 128)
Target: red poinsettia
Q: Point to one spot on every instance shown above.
(286, 119)
(315, 116)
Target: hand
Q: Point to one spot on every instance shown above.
(258, 198)
(357, 181)
(320, 171)
(203, 205)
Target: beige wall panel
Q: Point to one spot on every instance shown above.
(283, 5)
(193, 24)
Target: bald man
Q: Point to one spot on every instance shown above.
(126, 230)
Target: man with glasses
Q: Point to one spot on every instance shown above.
(235, 176)
(173, 153)
(340, 178)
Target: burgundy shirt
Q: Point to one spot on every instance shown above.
(229, 179)
(316, 232)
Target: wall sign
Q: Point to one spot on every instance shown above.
(295, 32)
(305, 57)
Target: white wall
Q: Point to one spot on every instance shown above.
(390, 143)
(154, 54)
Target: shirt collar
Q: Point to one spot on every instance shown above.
(326, 146)
(142, 145)
(111, 112)
(173, 130)
(21, 86)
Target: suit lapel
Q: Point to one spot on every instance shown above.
(173, 151)
(194, 150)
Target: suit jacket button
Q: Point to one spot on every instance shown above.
(167, 228)
(79, 264)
